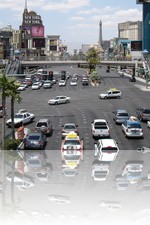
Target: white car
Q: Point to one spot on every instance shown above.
(132, 172)
(73, 82)
(22, 87)
(35, 86)
(100, 171)
(112, 93)
(62, 83)
(59, 100)
(99, 128)
(148, 124)
(132, 129)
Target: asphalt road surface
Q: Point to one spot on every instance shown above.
(82, 194)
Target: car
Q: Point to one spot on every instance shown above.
(85, 81)
(112, 93)
(73, 82)
(35, 86)
(59, 199)
(120, 115)
(67, 128)
(121, 183)
(59, 100)
(22, 87)
(106, 150)
(21, 118)
(62, 83)
(143, 113)
(99, 171)
(100, 128)
(35, 141)
(132, 172)
(148, 123)
(132, 129)
(28, 80)
(111, 205)
(44, 126)
(1, 110)
(72, 150)
(69, 172)
(47, 84)
(75, 76)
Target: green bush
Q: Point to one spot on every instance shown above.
(12, 144)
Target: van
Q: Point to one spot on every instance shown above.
(106, 150)
(112, 93)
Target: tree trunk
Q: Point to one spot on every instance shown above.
(12, 118)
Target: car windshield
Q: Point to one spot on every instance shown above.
(146, 111)
(134, 174)
(109, 150)
(18, 116)
(34, 162)
(69, 127)
(34, 137)
(134, 125)
(40, 124)
(72, 142)
(123, 114)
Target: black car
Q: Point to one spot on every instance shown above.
(143, 113)
(35, 141)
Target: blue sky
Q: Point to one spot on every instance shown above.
(76, 21)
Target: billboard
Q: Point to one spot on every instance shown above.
(136, 45)
(37, 31)
(26, 29)
(38, 43)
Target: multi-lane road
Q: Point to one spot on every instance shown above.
(84, 194)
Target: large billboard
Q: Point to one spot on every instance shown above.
(136, 45)
(37, 31)
(38, 43)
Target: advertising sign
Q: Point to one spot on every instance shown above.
(38, 43)
(37, 31)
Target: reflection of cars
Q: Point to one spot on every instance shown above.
(59, 100)
(100, 171)
(44, 126)
(106, 150)
(132, 172)
(132, 128)
(1, 110)
(68, 127)
(35, 159)
(99, 128)
(59, 199)
(73, 82)
(112, 93)
(35, 86)
(35, 141)
(20, 182)
(143, 149)
(44, 173)
(69, 172)
(143, 113)
(62, 83)
(143, 184)
(111, 205)
(120, 115)
(121, 183)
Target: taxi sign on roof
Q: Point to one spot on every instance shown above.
(112, 89)
(72, 135)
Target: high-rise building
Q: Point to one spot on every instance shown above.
(146, 24)
(131, 30)
(32, 30)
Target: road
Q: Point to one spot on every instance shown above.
(83, 193)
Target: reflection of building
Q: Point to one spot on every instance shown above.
(32, 31)
(146, 23)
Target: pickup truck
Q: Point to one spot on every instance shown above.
(21, 118)
(99, 128)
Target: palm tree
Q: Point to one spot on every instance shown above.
(92, 58)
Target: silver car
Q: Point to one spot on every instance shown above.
(120, 115)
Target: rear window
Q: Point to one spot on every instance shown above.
(134, 125)
(34, 137)
(109, 150)
(40, 124)
(146, 111)
(122, 114)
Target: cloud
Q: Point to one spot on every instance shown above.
(76, 18)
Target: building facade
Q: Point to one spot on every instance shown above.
(131, 30)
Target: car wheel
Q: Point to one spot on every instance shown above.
(56, 103)
(67, 101)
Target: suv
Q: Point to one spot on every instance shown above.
(112, 93)
(106, 150)
(120, 115)
(143, 113)
(44, 126)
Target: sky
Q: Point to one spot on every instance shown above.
(76, 21)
